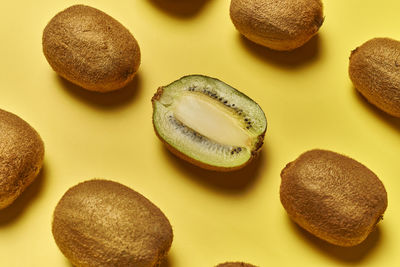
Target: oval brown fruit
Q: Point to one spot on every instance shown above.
(104, 223)
(280, 25)
(332, 196)
(374, 70)
(235, 264)
(21, 156)
(91, 49)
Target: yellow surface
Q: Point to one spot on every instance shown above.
(306, 95)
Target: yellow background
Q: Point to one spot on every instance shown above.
(306, 95)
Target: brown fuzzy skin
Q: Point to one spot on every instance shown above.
(278, 24)
(332, 196)
(173, 150)
(104, 223)
(91, 49)
(374, 70)
(21, 157)
(235, 264)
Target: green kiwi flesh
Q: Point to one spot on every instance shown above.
(104, 223)
(208, 123)
(374, 69)
(332, 196)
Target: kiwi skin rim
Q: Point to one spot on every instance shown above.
(173, 150)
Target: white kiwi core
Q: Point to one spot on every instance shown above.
(212, 120)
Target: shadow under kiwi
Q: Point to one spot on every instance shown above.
(16, 209)
(388, 119)
(67, 262)
(109, 100)
(298, 57)
(229, 182)
(168, 261)
(354, 254)
(180, 8)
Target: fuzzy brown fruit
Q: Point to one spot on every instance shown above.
(280, 25)
(91, 49)
(21, 156)
(374, 70)
(333, 196)
(104, 223)
(235, 264)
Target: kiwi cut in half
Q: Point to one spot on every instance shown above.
(208, 123)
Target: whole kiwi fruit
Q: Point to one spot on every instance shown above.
(21, 156)
(235, 264)
(208, 123)
(91, 49)
(104, 223)
(332, 196)
(374, 69)
(280, 25)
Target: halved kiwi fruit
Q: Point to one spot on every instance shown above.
(208, 123)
